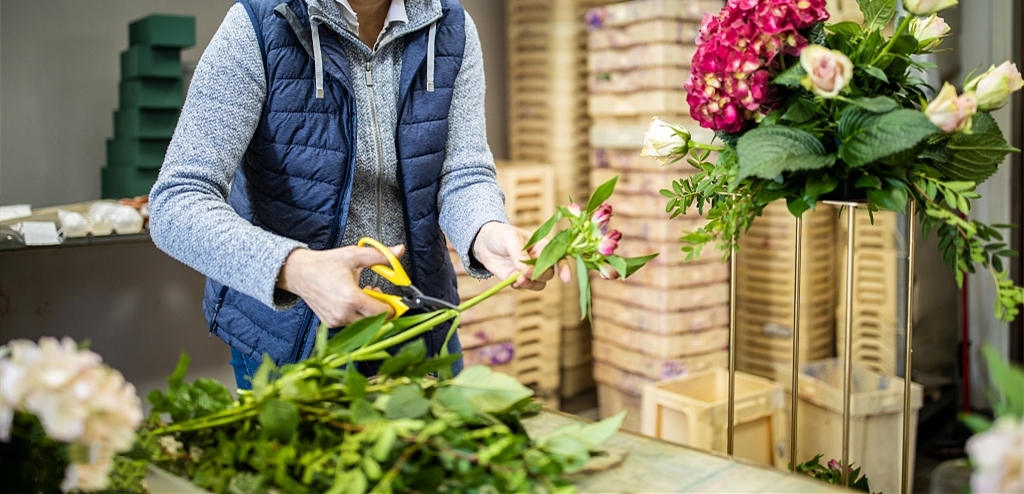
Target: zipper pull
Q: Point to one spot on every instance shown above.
(369, 74)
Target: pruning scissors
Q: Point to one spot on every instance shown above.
(410, 297)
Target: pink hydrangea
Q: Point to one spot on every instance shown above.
(729, 74)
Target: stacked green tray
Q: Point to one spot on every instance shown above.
(151, 94)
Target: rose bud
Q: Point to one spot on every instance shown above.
(950, 112)
(665, 141)
(928, 31)
(993, 88)
(925, 7)
(828, 71)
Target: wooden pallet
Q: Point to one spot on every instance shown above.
(684, 276)
(611, 400)
(656, 367)
(644, 32)
(640, 57)
(661, 230)
(663, 346)
(626, 81)
(639, 103)
(623, 14)
(655, 299)
(576, 346)
(577, 380)
(664, 323)
(646, 182)
(487, 332)
(631, 384)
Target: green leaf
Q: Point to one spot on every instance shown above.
(261, 377)
(411, 354)
(976, 156)
(552, 253)
(279, 419)
(487, 391)
(434, 365)
(879, 74)
(904, 45)
(1007, 382)
(403, 323)
(868, 137)
(355, 382)
(597, 433)
(877, 104)
(797, 206)
(800, 111)
(892, 196)
(618, 263)
(877, 13)
(355, 335)
(363, 412)
(765, 152)
(543, 230)
(867, 181)
(407, 402)
(847, 28)
(601, 194)
(976, 423)
(791, 77)
(633, 264)
(178, 376)
(583, 280)
(573, 451)
(817, 184)
(448, 399)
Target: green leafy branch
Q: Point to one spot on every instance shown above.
(833, 474)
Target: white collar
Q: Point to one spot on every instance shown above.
(396, 13)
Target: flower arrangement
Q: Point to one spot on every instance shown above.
(807, 110)
(63, 416)
(832, 473)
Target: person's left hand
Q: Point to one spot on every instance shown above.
(499, 247)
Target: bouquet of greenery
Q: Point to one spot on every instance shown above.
(807, 110)
(319, 426)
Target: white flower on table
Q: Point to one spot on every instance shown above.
(997, 456)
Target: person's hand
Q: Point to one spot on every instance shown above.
(328, 280)
(499, 247)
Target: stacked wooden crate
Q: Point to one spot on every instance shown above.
(671, 317)
(764, 292)
(548, 124)
(875, 288)
(517, 332)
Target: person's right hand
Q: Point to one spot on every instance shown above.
(328, 280)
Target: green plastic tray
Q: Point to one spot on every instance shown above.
(127, 182)
(146, 154)
(152, 93)
(145, 123)
(163, 30)
(151, 61)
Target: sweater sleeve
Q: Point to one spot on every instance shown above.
(469, 194)
(189, 217)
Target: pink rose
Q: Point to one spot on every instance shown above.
(950, 112)
(828, 71)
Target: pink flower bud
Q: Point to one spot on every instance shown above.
(602, 215)
(950, 112)
(828, 71)
(609, 242)
(574, 209)
(607, 271)
(833, 464)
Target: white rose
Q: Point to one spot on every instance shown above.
(665, 141)
(950, 112)
(928, 31)
(828, 71)
(997, 456)
(925, 7)
(993, 88)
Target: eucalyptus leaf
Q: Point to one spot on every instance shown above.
(552, 253)
(488, 391)
(766, 152)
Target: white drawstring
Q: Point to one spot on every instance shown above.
(318, 62)
(430, 56)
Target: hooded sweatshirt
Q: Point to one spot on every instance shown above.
(190, 219)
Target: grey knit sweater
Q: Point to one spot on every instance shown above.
(190, 219)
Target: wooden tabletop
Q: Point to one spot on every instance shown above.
(651, 465)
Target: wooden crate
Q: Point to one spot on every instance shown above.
(576, 347)
(640, 57)
(660, 345)
(644, 32)
(661, 230)
(664, 323)
(628, 159)
(692, 411)
(626, 13)
(485, 332)
(627, 382)
(673, 277)
(470, 287)
(577, 380)
(654, 367)
(611, 400)
(655, 299)
(639, 103)
(648, 182)
(638, 80)
(501, 305)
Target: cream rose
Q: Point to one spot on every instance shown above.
(993, 88)
(998, 457)
(925, 7)
(828, 71)
(665, 141)
(928, 31)
(950, 112)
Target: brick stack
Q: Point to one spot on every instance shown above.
(548, 123)
(517, 332)
(151, 95)
(672, 317)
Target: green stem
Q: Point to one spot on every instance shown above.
(487, 294)
(888, 46)
(709, 147)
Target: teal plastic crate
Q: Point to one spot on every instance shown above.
(152, 93)
(163, 30)
(145, 154)
(151, 61)
(119, 183)
(145, 123)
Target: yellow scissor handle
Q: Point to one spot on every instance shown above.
(395, 301)
(393, 273)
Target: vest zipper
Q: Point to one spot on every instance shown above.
(379, 145)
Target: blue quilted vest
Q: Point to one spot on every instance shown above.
(296, 176)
